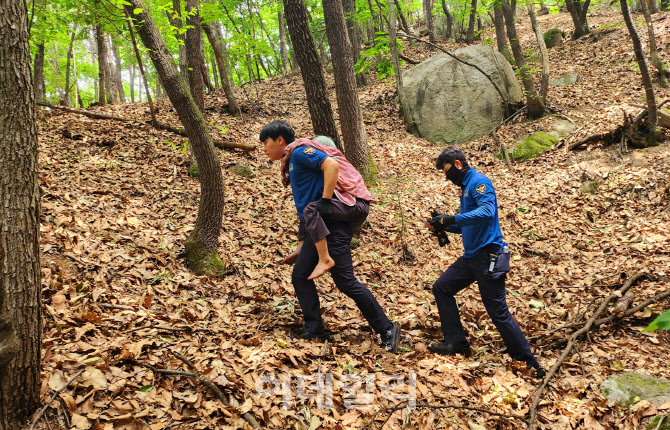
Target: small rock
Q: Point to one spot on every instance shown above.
(242, 170)
(564, 81)
(629, 388)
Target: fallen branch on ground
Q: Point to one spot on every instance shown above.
(593, 321)
(158, 125)
(426, 405)
(55, 394)
(200, 377)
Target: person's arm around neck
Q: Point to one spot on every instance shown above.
(331, 170)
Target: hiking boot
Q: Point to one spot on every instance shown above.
(390, 339)
(444, 348)
(309, 335)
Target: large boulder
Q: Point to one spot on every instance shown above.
(449, 102)
(628, 388)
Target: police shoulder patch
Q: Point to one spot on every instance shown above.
(481, 189)
(309, 151)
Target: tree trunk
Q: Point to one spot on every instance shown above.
(94, 52)
(580, 29)
(653, 6)
(175, 18)
(102, 60)
(501, 39)
(660, 65)
(652, 112)
(132, 84)
(470, 35)
(118, 78)
(544, 10)
(533, 102)
(20, 289)
(112, 91)
(282, 42)
(544, 82)
(582, 9)
(354, 31)
(401, 15)
(373, 27)
(40, 87)
(143, 76)
(194, 58)
(224, 54)
(428, 13)
(348, 105)
(68, 65)
(394, 46)
(450, 19)
(320, 110)
(201, 245)
(215, 69)
(233, 108)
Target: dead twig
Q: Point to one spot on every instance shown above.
(121, 307)
(532, 420)
(53, 397)
(426, 405)
(503, 148)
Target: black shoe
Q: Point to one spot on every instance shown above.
(444, 348)
(540, 373)
(390, 339)
(309, 335)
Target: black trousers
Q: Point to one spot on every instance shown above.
(338, 240)
(460, 275)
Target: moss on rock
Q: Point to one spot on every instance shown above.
(629, 388)
(533, 145)
(553, 37)
(242, 170)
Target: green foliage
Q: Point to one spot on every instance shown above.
(662, 322)
(379, 56)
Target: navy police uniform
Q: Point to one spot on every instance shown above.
(479, 226)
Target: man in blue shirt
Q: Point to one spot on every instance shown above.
(483, 261)
(313, 175)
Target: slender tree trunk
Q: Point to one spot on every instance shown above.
(501, 39)
(68, 65)
(194, 53)
(533, 102)
(320, 110)
(544, 10)
(470, 35)
(56, 68)
(354, 31)
(544, 82)
(118, 76)
(143, 76)
(401, 15)
(348, 105)
(201, 245)
(112, 91)
(653, 6)
(394, 46)
(652, 110)
(20, 289)
(373, 27)
(40, 87)
(132, 84)
(450, 19)
(660, 65)
(582, 9)
(224, 55)
(215, 69)
(92, 41)
(139, 93)
(428, 13)
(233, 108)
(282, 42)
(102, 60)
(176, 21)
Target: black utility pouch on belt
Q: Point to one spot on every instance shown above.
(499, 262)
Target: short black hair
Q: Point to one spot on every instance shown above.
(278, 128)
(449, 155)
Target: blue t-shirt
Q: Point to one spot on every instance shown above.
(478, 221)
(306, 176)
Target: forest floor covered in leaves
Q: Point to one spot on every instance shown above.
(117, 295)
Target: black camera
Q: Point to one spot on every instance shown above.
(442, 237)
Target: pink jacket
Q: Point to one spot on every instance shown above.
(350, 184)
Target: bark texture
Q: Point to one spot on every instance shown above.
(470, 35)
(282, 43)
(233, 108)
(20, 289)
(533, 102)
(656, 61)
(201, 245)
(40, 87)
(320, 110)
(102, 61)
(194, 53)
(348, 106)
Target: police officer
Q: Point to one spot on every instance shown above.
(483, 261)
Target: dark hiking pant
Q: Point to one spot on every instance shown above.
(460, 275)
(338, 239)
(315, 226)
